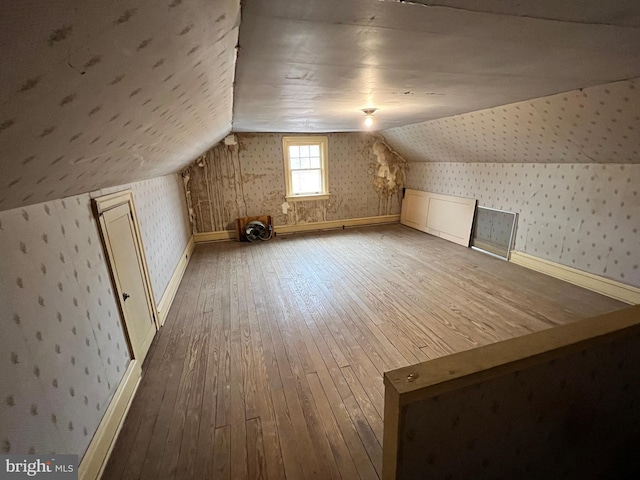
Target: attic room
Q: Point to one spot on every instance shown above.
(142, 337)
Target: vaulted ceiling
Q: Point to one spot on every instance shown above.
(102, 93)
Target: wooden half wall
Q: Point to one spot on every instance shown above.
(560, 403)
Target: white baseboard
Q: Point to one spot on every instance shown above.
(605, 286)
(170, 292)
(96, 456)
(304, 227)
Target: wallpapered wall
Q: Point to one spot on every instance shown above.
(164, 224)
(592, 125)
(63, 347)
(574, 417)
(568, 164)
(248, 179)
(108, 92)
(580, 215)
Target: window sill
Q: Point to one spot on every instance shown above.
(306, 198)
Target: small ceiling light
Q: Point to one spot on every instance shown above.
(368, 116)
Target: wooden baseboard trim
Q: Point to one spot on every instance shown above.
(333, 224)
(304, 227)
(214, 236)
(605, 286)
(170, 292)
(96, 456)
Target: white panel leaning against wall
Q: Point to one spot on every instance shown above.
(576, 192)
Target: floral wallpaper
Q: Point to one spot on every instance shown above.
(63, 347)
(101, 93)
(247, 179)
(568, 165)
(572, 417)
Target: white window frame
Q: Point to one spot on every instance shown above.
(298, 140)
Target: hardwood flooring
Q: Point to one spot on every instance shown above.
(270, 363)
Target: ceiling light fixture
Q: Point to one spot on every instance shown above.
(368, 116)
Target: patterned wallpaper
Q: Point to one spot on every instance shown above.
(248, 179)
(585, 216)
(574, 417)
(568, 164)
(63, 347)
(102, 93)
(591, 125)
(164, 224)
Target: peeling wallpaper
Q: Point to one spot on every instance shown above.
(101, 93)
(592, 125)
(248, 179)
(575, 417)
(63, 347)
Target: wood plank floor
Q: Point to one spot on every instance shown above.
(270, 363)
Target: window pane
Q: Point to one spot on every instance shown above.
(304, 165)
(306, 181)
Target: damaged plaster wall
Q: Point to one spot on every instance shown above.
(247, 178)
(568, 164)
(214, 189)
(390, 173)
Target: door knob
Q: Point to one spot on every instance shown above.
(125, 296)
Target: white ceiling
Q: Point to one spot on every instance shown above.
(101, 93)
(312, 65)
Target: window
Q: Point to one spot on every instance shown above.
(305, 167)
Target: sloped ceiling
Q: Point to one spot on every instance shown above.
(312, 65)
(598, 124)
(101, 93)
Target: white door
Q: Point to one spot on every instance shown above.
(128, 268)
